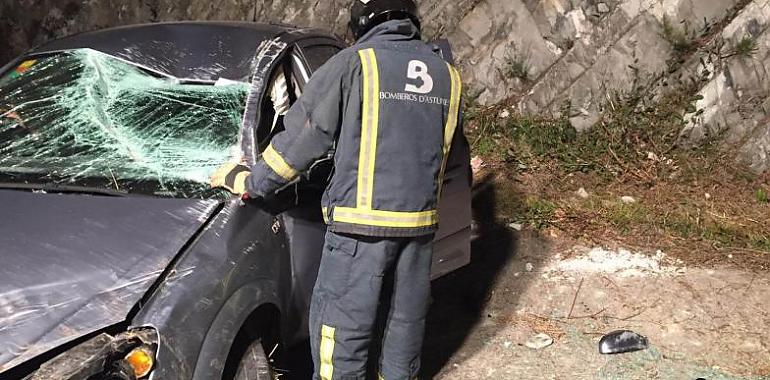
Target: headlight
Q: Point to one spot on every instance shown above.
(125, 356)
(141, 360)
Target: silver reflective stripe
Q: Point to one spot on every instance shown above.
(385, 218)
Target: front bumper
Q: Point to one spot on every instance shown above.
(102, 357)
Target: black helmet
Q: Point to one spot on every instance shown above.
(366, 14)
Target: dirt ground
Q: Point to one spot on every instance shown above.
(702, 323)
(709, 323)
(705, 319)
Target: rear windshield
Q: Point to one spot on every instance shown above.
(86, 118)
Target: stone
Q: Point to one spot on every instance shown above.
(529, 267)
(628, 200)
(603, 8)
(516, 226)
(582, 193)
(539, 341)
(476, 164)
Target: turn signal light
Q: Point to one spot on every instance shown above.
(140, 359)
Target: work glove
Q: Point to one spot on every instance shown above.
(231, 177)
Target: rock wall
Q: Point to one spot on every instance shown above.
(734, 103)
(544, 56)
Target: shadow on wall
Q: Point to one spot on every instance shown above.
(460, 298)
(27, 23)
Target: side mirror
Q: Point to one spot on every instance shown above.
(622, 341)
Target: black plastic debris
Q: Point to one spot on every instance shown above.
(622, 341)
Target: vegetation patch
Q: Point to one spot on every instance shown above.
(680, 38)
(696, 204)
(747, 47)
(517, 65)
(762, 196)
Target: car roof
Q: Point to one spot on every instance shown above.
(198, 51)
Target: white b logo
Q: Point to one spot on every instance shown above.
(419, 70)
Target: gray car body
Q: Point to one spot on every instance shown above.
(197, 271)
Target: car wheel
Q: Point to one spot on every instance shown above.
(254, 364)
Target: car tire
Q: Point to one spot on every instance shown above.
(254, 364)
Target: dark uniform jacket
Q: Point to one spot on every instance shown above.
(389, 107)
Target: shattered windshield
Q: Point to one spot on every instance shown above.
(83, 118)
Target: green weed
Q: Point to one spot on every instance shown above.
(762, 196)
(625, 216)
(680, 39)
(517, 65)
(539, 213)
(746, 48)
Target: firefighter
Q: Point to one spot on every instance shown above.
(388, 107)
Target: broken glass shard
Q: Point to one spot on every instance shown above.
(622, 341)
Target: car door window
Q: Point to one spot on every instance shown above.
(317, 55)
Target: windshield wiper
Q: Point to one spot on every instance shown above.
(63, 189)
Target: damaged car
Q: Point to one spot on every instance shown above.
(118, 259)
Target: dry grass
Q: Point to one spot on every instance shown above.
(675, 217)
(696, 205)
(536, 323)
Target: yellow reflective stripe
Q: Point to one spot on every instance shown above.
(239, 185)
(369, 122)
(278, 164)
(385, 218)
(325, 213)
(327, 352)
(452, 121)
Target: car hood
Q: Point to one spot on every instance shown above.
(75, 264)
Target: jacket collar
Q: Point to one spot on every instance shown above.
(393, 30)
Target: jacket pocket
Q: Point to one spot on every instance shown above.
(337, 260)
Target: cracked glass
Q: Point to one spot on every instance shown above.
(84, 118)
